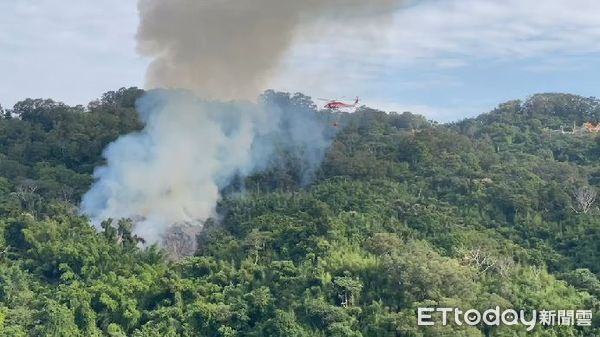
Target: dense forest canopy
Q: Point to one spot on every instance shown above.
(497, 210)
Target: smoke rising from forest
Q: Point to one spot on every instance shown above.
(172, 171)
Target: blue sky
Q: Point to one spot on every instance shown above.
(446, 59)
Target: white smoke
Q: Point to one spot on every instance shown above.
(172, 171)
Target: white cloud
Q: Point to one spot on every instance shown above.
(71, 50)
(438, 35)
(496, 29)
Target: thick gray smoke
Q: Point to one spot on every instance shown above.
(190, 149)
(229, 48)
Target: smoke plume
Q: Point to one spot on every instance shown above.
(190, 149)
(230, 48)
(172, 171)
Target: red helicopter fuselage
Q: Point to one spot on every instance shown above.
(336, 105)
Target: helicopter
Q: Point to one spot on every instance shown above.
(336, 106)
(333, 104)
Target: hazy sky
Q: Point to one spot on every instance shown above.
(446, 59)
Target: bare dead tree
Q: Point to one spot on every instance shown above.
(585, 198)
(486, 262)
(25, 192)
(66, 193)
(479, 259)
(504, 266)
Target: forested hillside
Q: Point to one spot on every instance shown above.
(499, 210)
